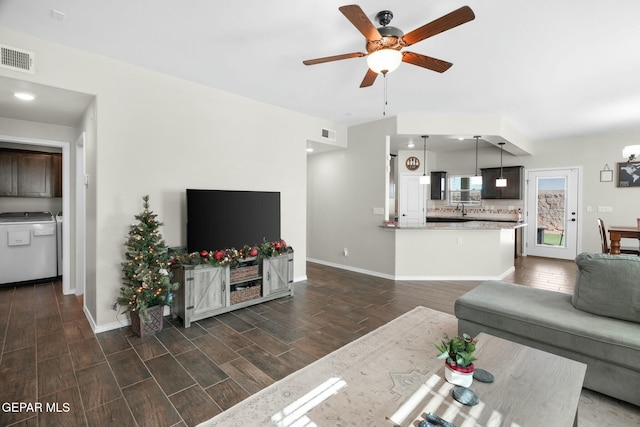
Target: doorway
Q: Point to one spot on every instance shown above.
(552, 213)
(66, 187)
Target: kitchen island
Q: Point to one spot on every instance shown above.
(468, 250)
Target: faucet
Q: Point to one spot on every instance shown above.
(464, 213)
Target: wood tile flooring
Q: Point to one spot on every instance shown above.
(181, 377)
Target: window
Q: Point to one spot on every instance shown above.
(462, 190)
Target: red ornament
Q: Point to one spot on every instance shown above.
(204, 253)
(253, 252)
(219, 256)
(276, 245)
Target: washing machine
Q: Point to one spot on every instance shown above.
(28, 247)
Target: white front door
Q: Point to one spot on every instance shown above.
(552, 213)
(411, 201)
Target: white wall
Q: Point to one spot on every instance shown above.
(344, 187)
(158, 135)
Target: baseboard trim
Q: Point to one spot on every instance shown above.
(354, 269)
(406, 278)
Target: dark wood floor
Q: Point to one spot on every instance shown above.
(181, 377)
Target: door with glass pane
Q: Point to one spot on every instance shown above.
(552, 213)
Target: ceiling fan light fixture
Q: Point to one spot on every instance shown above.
(384, 60)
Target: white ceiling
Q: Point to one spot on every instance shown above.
(551, 68)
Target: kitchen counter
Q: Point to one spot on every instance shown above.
(467, 249)
(463, 225)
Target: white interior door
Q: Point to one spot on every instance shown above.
(552, 213)
(411, 201)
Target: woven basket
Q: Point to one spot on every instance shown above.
(246, 294)
(143, 329)
(243, 273)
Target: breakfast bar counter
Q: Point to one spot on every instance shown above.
(465, 250)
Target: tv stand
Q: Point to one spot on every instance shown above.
(207, 291)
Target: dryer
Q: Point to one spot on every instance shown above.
(28, 248)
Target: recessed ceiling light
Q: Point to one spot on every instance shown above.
(24, 96)
(309, 150)
(411, 144)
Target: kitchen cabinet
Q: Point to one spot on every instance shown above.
(30, 174)
(513, 190)
(438, 185)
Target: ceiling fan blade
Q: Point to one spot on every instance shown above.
(357, 17)
(369, 78)
(333, 58)
(426, 62)
(444, 23)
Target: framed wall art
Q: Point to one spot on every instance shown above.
(629, 174)
(606, 174)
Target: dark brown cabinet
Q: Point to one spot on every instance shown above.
(30, 174)
(8, 173)
(56, 170)
(513, 190)
(438, 185)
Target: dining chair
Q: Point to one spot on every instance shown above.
(604, 240)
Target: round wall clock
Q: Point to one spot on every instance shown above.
(412, 163)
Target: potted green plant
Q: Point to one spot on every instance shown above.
(458, 354)
(146, 276)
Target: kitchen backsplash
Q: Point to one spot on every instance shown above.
(484, 212)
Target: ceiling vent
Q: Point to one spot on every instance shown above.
(328, 134)
(17, 59)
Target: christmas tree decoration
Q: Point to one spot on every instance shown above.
(146, 275)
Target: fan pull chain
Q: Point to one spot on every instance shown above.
(384, 106)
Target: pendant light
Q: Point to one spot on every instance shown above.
(501, 182)
(476, 179)
(425, 179)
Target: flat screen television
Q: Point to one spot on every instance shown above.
(220, 219)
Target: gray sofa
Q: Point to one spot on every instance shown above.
(598, 325)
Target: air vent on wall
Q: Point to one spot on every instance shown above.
(329, 134)
(17, 59)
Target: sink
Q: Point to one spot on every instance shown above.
(456, 219)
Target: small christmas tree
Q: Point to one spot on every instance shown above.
(146, 280)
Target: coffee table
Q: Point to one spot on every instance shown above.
(369, 379)
(531, 387)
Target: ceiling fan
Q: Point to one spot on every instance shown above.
(384, 44)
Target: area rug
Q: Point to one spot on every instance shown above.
(367, 380)
(376, 371)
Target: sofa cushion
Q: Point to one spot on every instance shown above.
(608, 285)
(548, 317)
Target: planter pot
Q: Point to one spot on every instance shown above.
(154, 325)
(457, 375)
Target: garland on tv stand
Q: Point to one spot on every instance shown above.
(232, 256)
